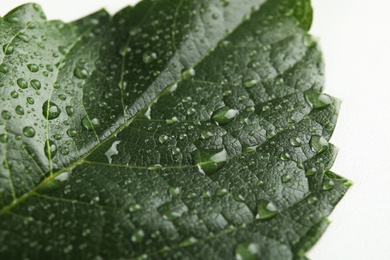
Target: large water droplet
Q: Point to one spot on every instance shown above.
(69, 110)
(6, 114)
(29, 131)
(224, 115)
(247, 251)
(33, 67)
(19, 110)
(318, 143)
(112, 151)
(209, 161)
(22, 83)
(266, 210)
(296, 141)
(50, 149)
(8, 49)
(92, 124)
(50, 110)
(36, 84)
(149, 57)
(317, 99)
(71, 132)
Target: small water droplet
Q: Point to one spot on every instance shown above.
(175, 151)
(30, 100)
(317, 99)
(205, 135)
(50, 110)
(174, 192)
(112, 151)
(69, 110)
(312, 199)
(250, 83)
(318, 144)
(71, 132)
(311, 171)
(328, 184)
(286, 178)
(80, 73)
(285, 156)
(296, 141)
(50, 149)
(6, 114)
(33, 67)
(266, 210)
(172, 215)
(191, 111)
(90, 125)
(224, 115)
(209, 161)
(221, 192)
(8, 49)
(36, 84)
(149, 57)
(3, 138)
(138, 236)
(4, 68)
(64, 151)
(247, 251)
(188, 73)
(163, 139)
(14, 94)
(134, 207)
(22, 83)
(19, 110)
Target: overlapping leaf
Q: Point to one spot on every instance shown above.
(175, 129)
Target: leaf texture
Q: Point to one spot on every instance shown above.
(172, 130)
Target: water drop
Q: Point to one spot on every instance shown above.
(188, 73)
(8, 49)
(209, 161)
(191, 111)
(317, 99)
(205, 135)
(4, 69)
(221, 192)
(286, 178)
(175, 151)
(138, 236)
(328, 184)
(296, 141)
(36, 84)
(22, 83)
(50, 149)
(3, 138)
(71, 132)
(33, 67)
(80, 73)
(285, 156)
(6, 114)
(224, 115)
(64, 151)
(174, 192)
(266, 210)
(247, 251)
(69, 110)
(134, 207)
(90, 124)
(14, 94)
(163, 139)
(30, 100)
(50, 110)
(312, 199)
(250, 83)
(149, 57)
(318, 144)
(112, 151)
(19, 110)
(311, 171)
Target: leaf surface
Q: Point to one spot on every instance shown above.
(174, 130)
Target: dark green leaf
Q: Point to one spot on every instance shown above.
(173, 130)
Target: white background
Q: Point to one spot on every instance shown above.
(355, 38)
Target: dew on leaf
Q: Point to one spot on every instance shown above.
(36, 84)
(224, 115)
(285, 156)
(90, 125)
(138, 236)
(80, 73)
(19, 110)
(69, 110)
(14, 94)
(149, 57)
(174, 192)
(328, 184)
(50, 149)
(247, 251)
(4, 68)
(317, 99)
(6, 114)
(22, 83)
(250, 83)
(112, 151)
(209, 161)
(205, 135)
(33, 67)
(64, 151)
(71, 132)
(134, 207)
(175, 151)
(30, 100)
(286, 178)
(188, 73)
(50, 110)
(296, 141)
(163, 139)
(311, 171)
(8, 49)
(221, 192)
(318, 144)
(266, 210)
(3, 138)
(29, 131)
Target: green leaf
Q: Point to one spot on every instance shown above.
(172, 130)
